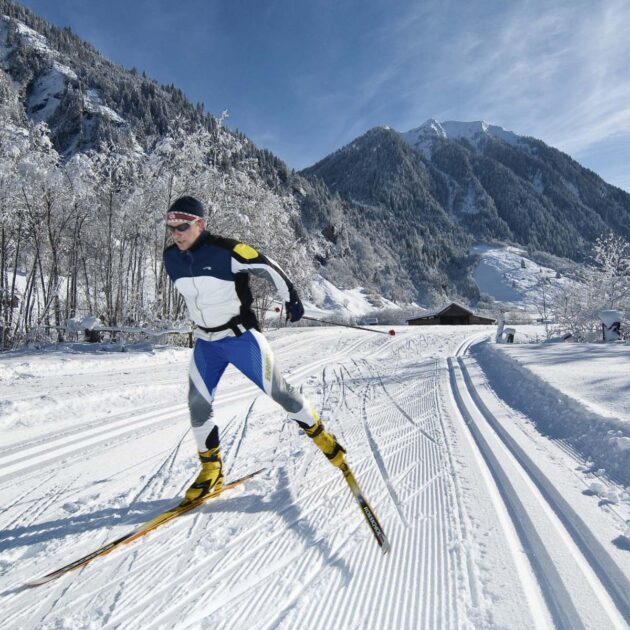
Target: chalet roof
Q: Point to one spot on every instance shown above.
(440, 311)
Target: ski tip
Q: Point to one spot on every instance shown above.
(385, 547)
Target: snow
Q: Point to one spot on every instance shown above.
(500, 274)
(576, 393)
(46, 94)
(421, 138)
(44, 97)
(33, 38)
(442, 430)
(94, 104)
(328, 300)
(610, 317)
(470, 202)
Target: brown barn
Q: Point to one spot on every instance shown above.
(451, 315)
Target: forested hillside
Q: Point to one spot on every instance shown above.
(92, 154)
(479, 185)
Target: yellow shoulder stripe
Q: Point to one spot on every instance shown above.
(245, 251)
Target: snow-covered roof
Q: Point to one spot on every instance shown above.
(440, 311)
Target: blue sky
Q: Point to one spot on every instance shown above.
(304, 77)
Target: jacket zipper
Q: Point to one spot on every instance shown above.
(192, 277)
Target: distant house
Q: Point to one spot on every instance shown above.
(451, 315)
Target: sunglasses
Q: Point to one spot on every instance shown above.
(182, 227)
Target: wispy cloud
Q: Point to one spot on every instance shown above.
(555, 70)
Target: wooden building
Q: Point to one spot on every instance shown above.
(451, 315)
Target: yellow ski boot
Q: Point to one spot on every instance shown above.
(327, 443)
(210, 479)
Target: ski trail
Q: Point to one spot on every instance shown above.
(237, 441)
(290, 548)
(566, 578)
(379, 460)
(258, 553)
(611, 588)
(393, 401)
(160, 474)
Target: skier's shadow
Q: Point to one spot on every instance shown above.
(279, 501)
(26, 536)
(282, 503)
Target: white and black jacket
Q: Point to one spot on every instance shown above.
(212, 276)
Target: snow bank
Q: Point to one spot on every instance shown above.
(575, 393)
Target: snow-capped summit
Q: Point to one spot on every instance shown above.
(421, 137)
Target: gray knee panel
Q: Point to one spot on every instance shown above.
(200, 408)
(285, 395)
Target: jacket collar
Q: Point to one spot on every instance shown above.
(203, 237)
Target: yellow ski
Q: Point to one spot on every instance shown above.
(368, 513)
(139, 531)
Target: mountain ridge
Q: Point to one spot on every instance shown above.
(379, 212)
(492, 183)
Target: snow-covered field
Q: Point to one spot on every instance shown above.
(500, 475)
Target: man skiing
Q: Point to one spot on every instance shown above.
(211, 273)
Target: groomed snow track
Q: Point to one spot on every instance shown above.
(479, 537)
(581, 583)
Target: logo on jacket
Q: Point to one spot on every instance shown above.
(208, 268)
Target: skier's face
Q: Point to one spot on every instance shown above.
(185, 238)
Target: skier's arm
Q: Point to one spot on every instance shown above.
(247, 259)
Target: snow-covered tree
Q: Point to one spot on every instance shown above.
(611, 254)
(604, 285)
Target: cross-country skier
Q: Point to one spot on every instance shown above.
(211, 273)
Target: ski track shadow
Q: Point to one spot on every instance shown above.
(279, 501)
(282, 503)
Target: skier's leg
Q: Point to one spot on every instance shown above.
(253, 356)
(206, 368)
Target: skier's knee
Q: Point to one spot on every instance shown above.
(286, 397)
(200, 408)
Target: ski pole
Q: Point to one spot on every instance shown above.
(390, 332)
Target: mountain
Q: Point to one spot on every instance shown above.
(444, 185)
(87, 101)
(394, 213)
(392, 196)
(92, 106)
(73, 122)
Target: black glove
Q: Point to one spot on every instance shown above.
(295, 310)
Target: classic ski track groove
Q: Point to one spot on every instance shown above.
(378, 459)
(102, 387)
(322, 487)
(302, 534)
(537, 527)
(153, 561)
(21, 462)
